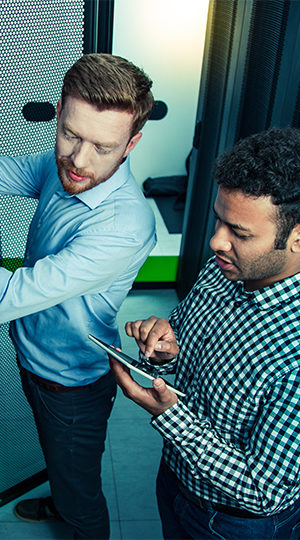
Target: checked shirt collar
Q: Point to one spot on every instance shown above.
(269, 297)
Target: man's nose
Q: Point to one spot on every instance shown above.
(81, 155)
(220, 241)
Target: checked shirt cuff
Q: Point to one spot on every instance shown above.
(176, 423)
(156, 369)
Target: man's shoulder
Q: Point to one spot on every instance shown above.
(33, 161)
(41, 157)
(132, 208)
(134, 213)
(40, 164)
(281, 301)
(46, 158)
(120, 210)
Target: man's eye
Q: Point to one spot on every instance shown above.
(69, 136)
(241, 236)
(101, 150)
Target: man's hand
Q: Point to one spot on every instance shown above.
(155, 400)
(154, 337)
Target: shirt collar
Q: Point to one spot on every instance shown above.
(280, 292)
(93, 197)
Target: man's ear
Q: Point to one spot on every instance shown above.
(132, 143)
(295, 239)
(58, 108)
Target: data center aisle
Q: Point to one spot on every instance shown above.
(131, 457)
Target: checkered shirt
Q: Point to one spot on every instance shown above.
(234, 438)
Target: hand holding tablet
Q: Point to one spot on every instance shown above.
(131, 363)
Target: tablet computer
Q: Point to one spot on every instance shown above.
(131, 363)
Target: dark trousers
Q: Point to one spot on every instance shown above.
(72, 430)
(182, 519)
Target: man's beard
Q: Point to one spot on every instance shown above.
(69, 185)
(73, 187)
(262, 267)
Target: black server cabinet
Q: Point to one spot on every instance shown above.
(39, 42)
(250, 82)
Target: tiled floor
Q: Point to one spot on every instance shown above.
(131, 457)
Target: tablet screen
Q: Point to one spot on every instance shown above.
(131, 363)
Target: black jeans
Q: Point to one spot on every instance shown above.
(182, 519)
(72, 430)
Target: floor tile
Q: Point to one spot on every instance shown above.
(115, 531)
(136, 451)
(38, 531)
(137, 530)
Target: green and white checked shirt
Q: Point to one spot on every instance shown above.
(235, 438)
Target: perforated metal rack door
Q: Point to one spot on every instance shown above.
(40, 40)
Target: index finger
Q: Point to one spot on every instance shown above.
(156, 337)
(140, 329)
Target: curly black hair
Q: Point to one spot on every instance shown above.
(267, 164)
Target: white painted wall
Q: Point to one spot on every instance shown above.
(166, 39)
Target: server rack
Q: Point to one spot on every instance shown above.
(39, 42)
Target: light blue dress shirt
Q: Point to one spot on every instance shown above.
(83, 253)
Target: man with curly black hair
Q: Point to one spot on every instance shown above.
(230, 465)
